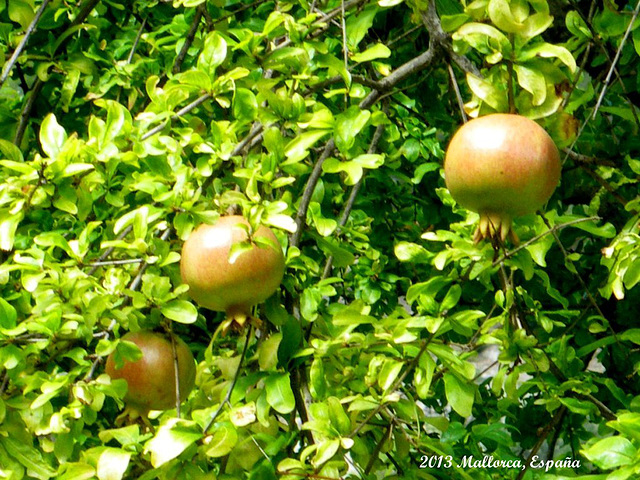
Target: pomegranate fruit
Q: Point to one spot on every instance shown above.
(151, 379)
(501, 166)
(231, 285)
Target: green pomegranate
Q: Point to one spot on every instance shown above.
(501, 166)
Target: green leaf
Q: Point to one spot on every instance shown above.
(279, 393)
(268, 352)
(412, 252)
(532, 81)
(12, 152)
(358, 25)
(118, 119)
(21, 12)
(487, 39)
(171, 439)
(581, 407)
(8, 226)
(112, 464)
(195, 78)
(52, 136)
(213, 53)
(535, 25)
(298, 148)
(379, 50)
(577, 26)
(547, 50)
(451, 298)
(317, 382)
(28, 456)
(451, 23)
(245, 105)
(348, 126)
(222, 441)
(460, 394)
(611, 452)
(488, 92)
(388, 373)
(76, 471)
(180, 311)
(336, 65)
(8, 315)
(325, 451)
(502, 17)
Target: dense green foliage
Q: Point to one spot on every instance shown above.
(124, 125)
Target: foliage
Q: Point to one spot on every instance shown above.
(125, 125)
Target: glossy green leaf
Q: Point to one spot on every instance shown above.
(52, 136)
(547, 50)
(348, 126)
(213, 53)
(460, 394)
(279, 393)
(180, 311)
(533, 81)
(113, 464)
(224, 438)
(298, 148)
(610, 452)
(358, 25)
(379, 50)
(488, 92)
(171, 439)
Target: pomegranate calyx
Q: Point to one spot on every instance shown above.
(496, 227)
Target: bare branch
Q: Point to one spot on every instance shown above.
(615, 59)
(197, 102)
(301, 215)
(177, 65)
(236, 376)
(6, 70)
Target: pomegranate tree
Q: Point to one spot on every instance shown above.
(151, 380)
(501, 166)
(219, 279)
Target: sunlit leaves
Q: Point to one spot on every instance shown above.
(213, 54)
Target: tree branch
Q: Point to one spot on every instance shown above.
(177, 65)
(197, 102)
(6, 70)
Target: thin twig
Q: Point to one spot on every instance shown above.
(345, 47)
(236, 376)
(110, 250)
(38, 83)
(255, 132)
(198, 101)
(555, 420)
(6, 70)
(301, 215)
(23, 121)
(352, 197)
(115, 262)
(456, 89)
(137, 40)
(587, 160)
(410, 366)
(565, 254)
(177, 65)
(533, 240)
(615, 60)
(176, 368)
(386, 436)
